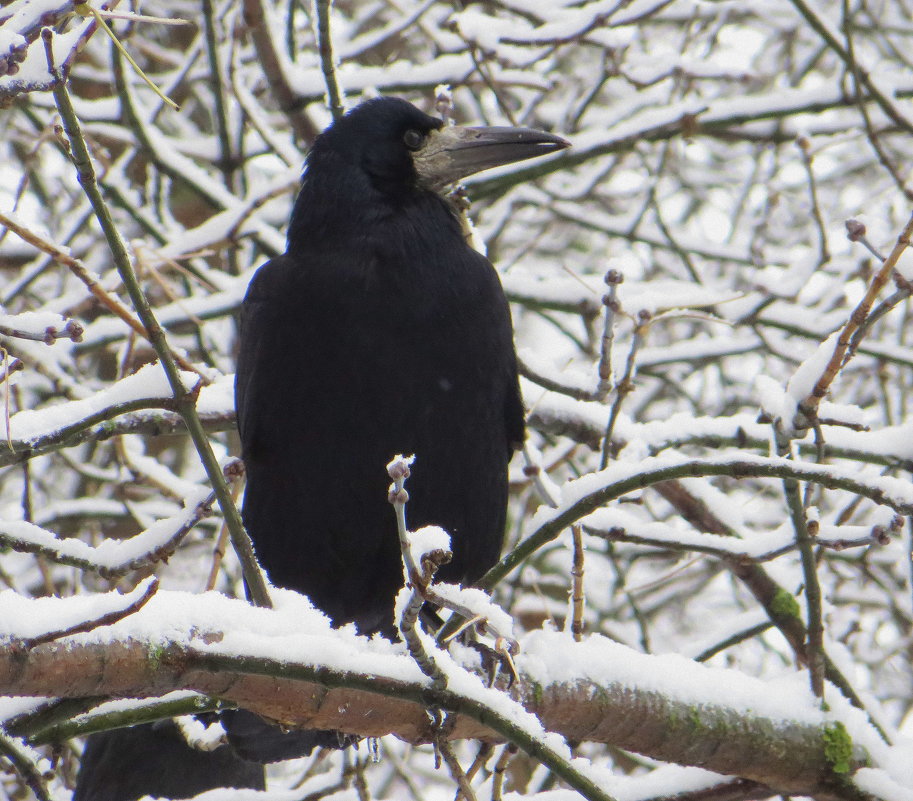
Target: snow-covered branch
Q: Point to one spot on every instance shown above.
(595, 690)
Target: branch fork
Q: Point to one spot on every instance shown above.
(424, 552)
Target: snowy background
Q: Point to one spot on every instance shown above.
(681, 279)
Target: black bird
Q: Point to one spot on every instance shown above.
(380, 331)
(155, 760)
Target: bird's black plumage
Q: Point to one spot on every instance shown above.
(380, 331)
(155, 760)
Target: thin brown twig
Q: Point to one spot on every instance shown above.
(327, 59)
(809, 406)
(497, 775)
(613, 278)
(218, 553)
(883, 101)
(824, 254)
(578, 599)
(871, 133)
(271, 62)
(106, 619)
(626, 384)
(456, 771)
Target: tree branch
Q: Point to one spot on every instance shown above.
(789, 756)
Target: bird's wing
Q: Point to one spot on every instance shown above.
(514, 412)
(260, 352)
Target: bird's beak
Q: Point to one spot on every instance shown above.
(452, 153)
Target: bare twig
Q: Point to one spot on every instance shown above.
(459, 776)
(497, 777)
(626, 384)
(577, 596)
(809, 406)
(805, 146)
(398, 470)
(327, 59)
(106, 619)
(612, 279)
(25, 765)
(814, 650)
(72, 331)
(647, 475)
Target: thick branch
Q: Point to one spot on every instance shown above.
(786, 755)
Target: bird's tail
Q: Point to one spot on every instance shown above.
(255, 740)
(154, 759)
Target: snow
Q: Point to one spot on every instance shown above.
(480, 604)
(803, 381)
(109, 555)
(774, 401)
(27, 618)
(640, 124)
(20, 14)
(485, 30)
(610, 518)
(33, 70)
(703, 347)
(552, 657)
(149, 383)
(199, 735)
(217, 397)
(398, 75)
(881, 785)
(295, 632)
(130, 704)
(660, 296)
(427, 539)
(897, 491)
(292, 632)
(10, 40)
(720, 631)
(34, 323)
(581, 380)
(905, 264)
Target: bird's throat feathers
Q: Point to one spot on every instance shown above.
(340, 203)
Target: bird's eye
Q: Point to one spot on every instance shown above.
(413, 139)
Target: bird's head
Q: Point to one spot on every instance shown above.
(401, 148)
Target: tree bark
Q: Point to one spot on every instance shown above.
(787, 756)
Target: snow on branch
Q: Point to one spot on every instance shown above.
(586, 494)
(289, 665)
(54, 426)
(111, 557)
(24, 60)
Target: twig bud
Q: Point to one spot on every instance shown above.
(398, 496)
(233, 469)
(398, 468)
(855, 230)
